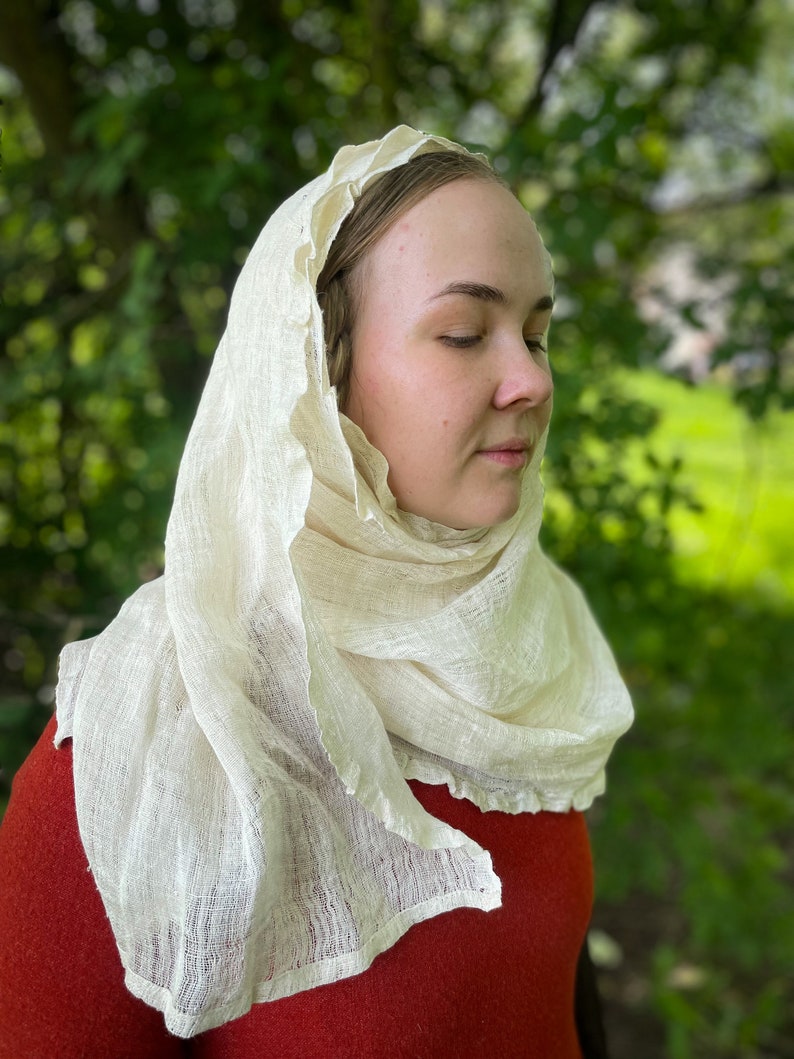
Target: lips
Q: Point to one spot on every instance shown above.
(512, 453)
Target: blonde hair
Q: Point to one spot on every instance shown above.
(380, 205)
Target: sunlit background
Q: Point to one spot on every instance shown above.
(143, 146)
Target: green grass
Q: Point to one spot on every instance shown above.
(743, 475)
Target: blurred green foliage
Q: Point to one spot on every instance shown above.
(144, 144)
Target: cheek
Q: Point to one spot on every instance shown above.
(366, 377)
(382, 379)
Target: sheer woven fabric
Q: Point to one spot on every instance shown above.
(244, 729)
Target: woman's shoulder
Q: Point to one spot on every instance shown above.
(465, 983)
(44, 768)
(61, 981)
(38, 820)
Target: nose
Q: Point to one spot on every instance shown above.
(524, 377)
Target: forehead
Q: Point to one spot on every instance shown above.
(468, 225)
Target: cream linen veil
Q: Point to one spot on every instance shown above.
(243, 730)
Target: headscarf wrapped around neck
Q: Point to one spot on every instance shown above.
(244, 729)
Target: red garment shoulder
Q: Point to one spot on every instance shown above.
(464, 985)
(62, 991)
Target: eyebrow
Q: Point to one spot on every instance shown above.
(484, 293)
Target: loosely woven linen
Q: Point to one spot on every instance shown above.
(244, 729)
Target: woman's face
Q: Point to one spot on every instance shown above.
(450, 378)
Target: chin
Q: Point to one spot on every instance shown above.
(501, 509)
(485, 517)
(488, 509)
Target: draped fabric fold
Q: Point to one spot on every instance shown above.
(244, 729)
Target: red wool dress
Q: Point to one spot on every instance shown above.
(463, 985)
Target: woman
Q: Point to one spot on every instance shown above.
(329, 770)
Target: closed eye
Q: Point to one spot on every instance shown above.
(534, 345)
(460, 341)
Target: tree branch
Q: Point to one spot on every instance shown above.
(775, 184)
(565, 21)
(31, 45)
(383, 56)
